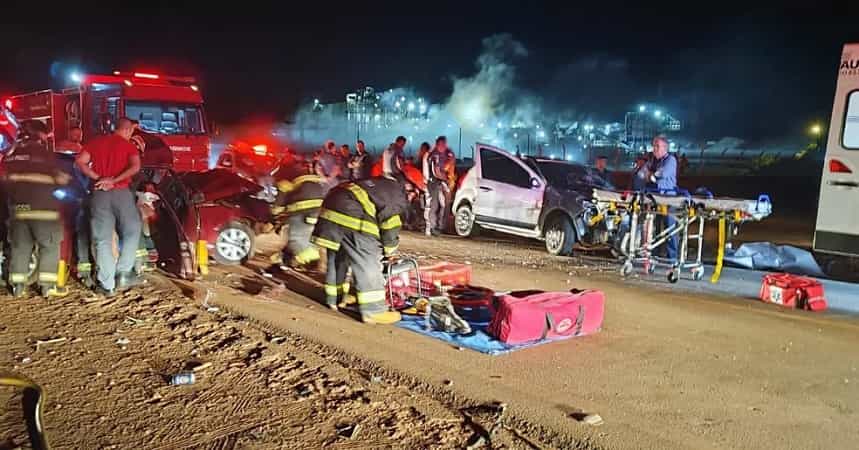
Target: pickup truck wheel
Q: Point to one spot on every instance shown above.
(560, 236)
(464, 221)
(234, 245)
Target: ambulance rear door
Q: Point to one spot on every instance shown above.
(837, 229)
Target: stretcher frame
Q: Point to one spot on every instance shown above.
(642, 209)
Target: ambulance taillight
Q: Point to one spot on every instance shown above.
(836, 166)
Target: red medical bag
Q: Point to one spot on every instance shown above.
(529, 316)
(793, 291)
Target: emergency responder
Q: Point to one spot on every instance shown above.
(300, 198)
(360, 162)
(421, 157)
(110, 162)
(393, 159)
(662, 177)
(31, 182)
(437, 194)
(601, 168)
(156, 159)
(359, 224)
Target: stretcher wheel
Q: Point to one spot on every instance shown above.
(673, 276)
(698, 274)
(626, 269)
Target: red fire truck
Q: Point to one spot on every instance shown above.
(169, 106)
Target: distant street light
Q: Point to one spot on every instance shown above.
(642, 108)
(411, 106)
(816, 129)
(657, 113)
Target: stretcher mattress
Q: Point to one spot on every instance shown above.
(757, 209)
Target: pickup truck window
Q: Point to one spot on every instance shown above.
(498, 167)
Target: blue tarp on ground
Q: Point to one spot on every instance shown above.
(770, 257)
(479, 341)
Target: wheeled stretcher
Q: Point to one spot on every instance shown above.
(633, 219)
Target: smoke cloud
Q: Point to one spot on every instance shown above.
(485, 106)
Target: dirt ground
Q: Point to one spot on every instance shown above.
(106, 378)
(668, 370)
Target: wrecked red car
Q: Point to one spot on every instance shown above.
(215, 213)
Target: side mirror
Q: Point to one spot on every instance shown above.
(535, 183)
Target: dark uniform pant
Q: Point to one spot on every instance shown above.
(299, 251)
(435, 213)
(23, 234)
(363, 254)
(83, 241)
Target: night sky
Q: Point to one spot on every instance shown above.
(760, 74)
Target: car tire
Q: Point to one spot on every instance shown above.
(234, 245)
(560, 236)
(464, 223)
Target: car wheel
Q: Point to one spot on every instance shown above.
(234, 244)
(464, 221)
(560, 236)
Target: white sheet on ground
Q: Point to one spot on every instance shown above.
(771, 257)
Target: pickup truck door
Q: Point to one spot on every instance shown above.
(508, 192)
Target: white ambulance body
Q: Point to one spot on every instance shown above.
(837, 230)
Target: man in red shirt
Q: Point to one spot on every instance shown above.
(110, 162)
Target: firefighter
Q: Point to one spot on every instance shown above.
(32, 179)
(300, 198)
(359, 225)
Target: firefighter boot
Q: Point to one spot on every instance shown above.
(86, 279)
(382, 318)
(19, 290)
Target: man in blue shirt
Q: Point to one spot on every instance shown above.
(662, 176)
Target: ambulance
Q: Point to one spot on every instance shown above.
(837, 228)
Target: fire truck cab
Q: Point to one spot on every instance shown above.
(169, 106)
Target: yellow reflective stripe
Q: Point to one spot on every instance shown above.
(333, 290)
(277, 210)
(363, 198)
(391, 250)
(391, 223)
(310, 220)
(325, 243)
(371, 297)
(350, 222)
(50, 277)
(36, 178)
(330, 290)
(37, 215)
(84, 267)
(301, 205)
(285, 186)
(142, 252)
(307, 255)
(305, 179)
(18, 278)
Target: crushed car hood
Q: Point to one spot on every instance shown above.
(219, 184)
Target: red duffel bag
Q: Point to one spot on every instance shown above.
(533, 316)
(793, 291)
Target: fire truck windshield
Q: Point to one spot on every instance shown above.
(166, 118)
